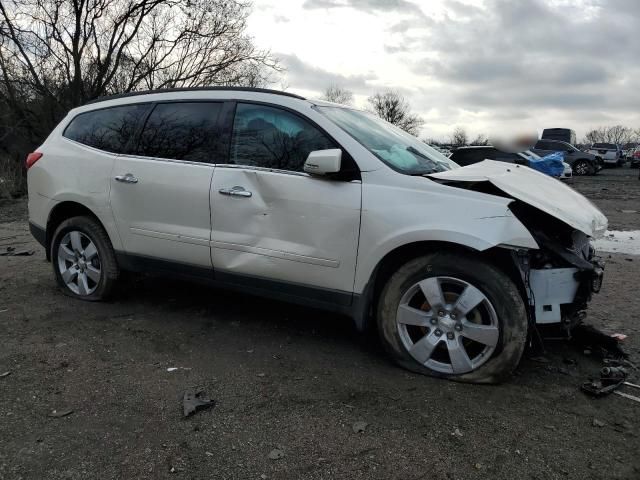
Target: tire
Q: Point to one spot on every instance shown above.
(502, 308)
(582, 167)
(91, 272)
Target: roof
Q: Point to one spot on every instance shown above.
(474, 147)
(193, 89)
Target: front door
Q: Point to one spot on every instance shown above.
(272, 222)
(160, 195)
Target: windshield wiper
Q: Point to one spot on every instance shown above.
(417, 152)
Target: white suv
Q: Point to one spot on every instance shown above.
(320, 204)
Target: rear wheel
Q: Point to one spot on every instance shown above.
(453, 316)
(83, 259)
(581, 167)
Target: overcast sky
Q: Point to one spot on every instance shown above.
(480, 64)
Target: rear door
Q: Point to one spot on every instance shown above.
(275, 226)
(160, 191)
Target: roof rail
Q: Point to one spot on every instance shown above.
(192, 89)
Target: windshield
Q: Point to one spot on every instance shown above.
(529, 155)
(401, 151)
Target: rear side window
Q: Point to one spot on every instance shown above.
(273, 138)
(181, 131)
(605, 146)
(108, 129)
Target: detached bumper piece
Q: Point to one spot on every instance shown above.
(561, 293)
(551, 288)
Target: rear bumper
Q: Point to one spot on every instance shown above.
(38, 233)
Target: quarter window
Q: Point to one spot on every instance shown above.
(108, 129)
(181, 131)
(273, 138)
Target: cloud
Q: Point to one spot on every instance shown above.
(309, 77)
(281, 19)
(398, 6)
(532, 54)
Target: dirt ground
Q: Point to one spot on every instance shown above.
(289, 378)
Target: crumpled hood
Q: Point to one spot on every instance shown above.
(536, 189)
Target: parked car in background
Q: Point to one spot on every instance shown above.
(628, 149)
(582, 163)
(270, 193)
(464, 156)
(610, 153)
(561, 134)
(635, 158)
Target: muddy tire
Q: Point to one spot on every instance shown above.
(83, 259)
(453, 316)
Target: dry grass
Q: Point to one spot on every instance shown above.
(13, 177)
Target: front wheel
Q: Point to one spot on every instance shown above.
(83, 259)
(453, 316)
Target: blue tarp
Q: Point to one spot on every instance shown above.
(550, 164)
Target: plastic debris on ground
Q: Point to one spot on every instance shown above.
(607, 345)
(359, 427)
(12, 252)
(276, 454)
(193, 402)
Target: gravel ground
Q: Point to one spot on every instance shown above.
(288, 378)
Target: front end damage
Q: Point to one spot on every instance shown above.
(562, 275)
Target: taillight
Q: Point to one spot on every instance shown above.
(33, 158)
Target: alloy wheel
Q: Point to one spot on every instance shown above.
(582, 168)
(79, 263)
(447, 325)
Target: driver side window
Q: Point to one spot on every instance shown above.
(270, 137)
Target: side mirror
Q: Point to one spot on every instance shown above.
(323, 162)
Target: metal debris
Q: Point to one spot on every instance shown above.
(5, 374)
(193, 402)
(60, 413)
(626, 395)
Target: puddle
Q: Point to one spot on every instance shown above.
(619, 242)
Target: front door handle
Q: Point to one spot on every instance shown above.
(128, 178)
(236, 191)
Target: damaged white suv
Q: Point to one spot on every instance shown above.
(316, 203)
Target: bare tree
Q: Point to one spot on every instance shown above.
(480, 140)
(96, 47)
(617, 134)
(57, 54)
(392, 107)
(459, 137)
(337, 94)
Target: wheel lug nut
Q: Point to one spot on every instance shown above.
(441, 313)
(438, 332)
(453, 316)
(458, 327)
(433, 321)
(450, 336)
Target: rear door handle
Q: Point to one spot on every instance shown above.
(236, 191)
(128, 178)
